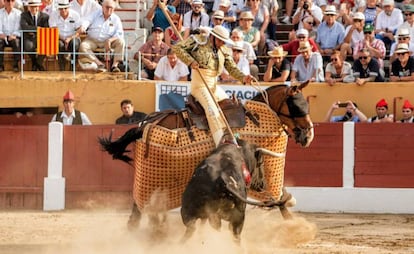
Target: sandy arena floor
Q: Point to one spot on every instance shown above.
(105, 231)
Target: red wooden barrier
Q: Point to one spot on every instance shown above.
(384, 155)
(320, 165)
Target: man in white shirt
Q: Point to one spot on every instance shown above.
(9, 32)
(67, 21)
(104, 31)
(84, 7)
(69, 115)
(387, 22)
(170, 68)
(196, 17)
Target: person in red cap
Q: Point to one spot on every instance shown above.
(407, 112)
(382, 116)
(69, 115)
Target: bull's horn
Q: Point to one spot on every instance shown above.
(268, 152)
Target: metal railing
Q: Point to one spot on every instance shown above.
(74, 54)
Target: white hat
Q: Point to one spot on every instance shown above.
(246, 15)
(402, 48)
(330, 9)
(302, 32)
(219, 14)
(387, 2)
(238, 45)
(277, 52)
(34, 3)
(358, 15)
(403, 32)
(220, 32)
(197, 2)
(225, 3)
(62, 4)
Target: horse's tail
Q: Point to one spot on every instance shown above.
(118, 148)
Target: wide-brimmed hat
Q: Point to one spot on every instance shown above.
(238, 45)
(62, 4)
(304, 46)
(403, 32)
(402, 48)
(219, 14)
(277, 52)
(69, 96)
(34, 3)
(246, 15)
(358, 15)
(220, 32)
(408, 105)
(330, 9)
(302, 31)
(225, 3)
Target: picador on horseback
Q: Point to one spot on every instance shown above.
(207, 55)
(170, 144)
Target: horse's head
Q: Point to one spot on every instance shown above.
(293, 110)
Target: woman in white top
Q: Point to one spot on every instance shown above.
(337, 69)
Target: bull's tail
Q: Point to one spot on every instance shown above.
(230, 186)
(118, 148)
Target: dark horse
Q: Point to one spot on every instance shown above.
(286, 101)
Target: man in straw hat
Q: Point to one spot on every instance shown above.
(403, 67)
(29, 21)
(69, 115)
(407, 112)
(403, 36)
(278, 67)
(207, 55)
(67, 21)
(308, 65)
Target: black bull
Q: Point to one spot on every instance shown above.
(217, 189)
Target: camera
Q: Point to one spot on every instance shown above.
(305, 6)
(342, 105)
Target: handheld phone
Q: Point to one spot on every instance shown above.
(342, 105)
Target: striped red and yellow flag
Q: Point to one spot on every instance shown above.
(47, 41)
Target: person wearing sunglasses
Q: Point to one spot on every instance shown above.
(307, 8)
(197, 17)
(330, 33)
(402, 69)
(366, 68)
(337, 69)
(278, 67)
(170, 37)
(403, 36)
(241, 61)
(375, 46)
(407, 113)
(308, 65)
(408, 11)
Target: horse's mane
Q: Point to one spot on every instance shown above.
(259, 96)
